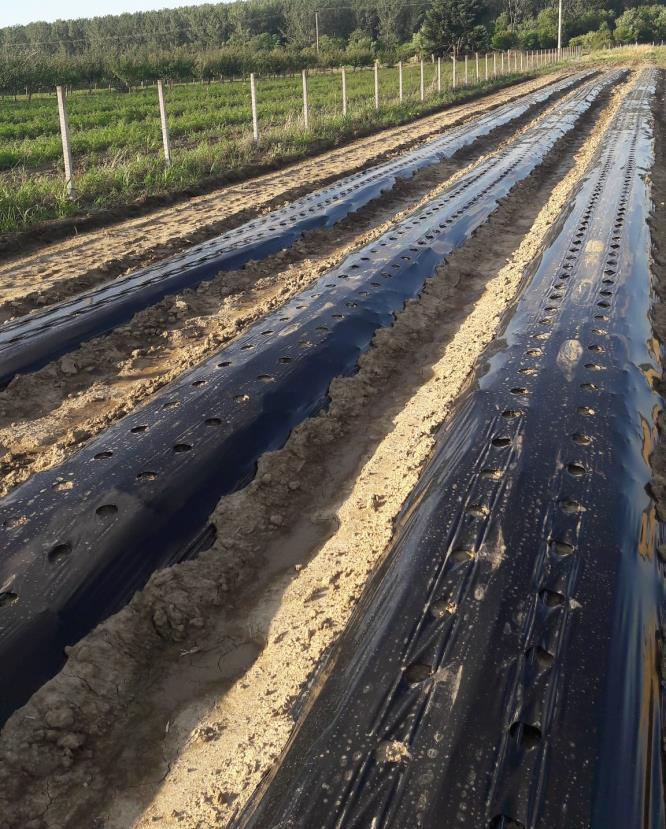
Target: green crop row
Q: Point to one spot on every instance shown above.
(112, 121)
(117, 144)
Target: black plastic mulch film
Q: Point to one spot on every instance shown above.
(502, 670)
(79, 539)
(30, 342)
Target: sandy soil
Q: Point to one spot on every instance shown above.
(176, 707)
(71, 266)
(658, 229)
(47, 415)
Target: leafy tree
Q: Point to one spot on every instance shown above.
(546, 26)
(643, 25)
(600, 39)
(360, 49)
(388, 13)
(453, 26)
(230, 39)
(505, 35)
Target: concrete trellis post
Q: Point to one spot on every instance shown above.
(66, 146)
(439, 76)
(165, 124)
(253, 96)
(400, 93)
(453, 81)
(476, 55)
(306, 113)
(376, 84)
(344, 91)
(486, 65)
(521, 61)
(502, 63)
(466, 76)
(494, 64)
(422, 82)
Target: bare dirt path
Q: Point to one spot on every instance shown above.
(177, 706)
(98, 256)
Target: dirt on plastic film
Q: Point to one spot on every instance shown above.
(146, 708)
(83, 261)
(47, 415)
(658, 232)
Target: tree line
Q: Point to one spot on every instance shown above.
(276, 36)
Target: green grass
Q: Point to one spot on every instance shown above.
(117, 144)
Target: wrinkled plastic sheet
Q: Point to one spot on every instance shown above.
(79, 539)
(30, 342)
(502, 669)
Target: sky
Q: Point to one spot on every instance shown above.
(29, 10)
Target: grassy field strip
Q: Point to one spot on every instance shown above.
(116, 139)
(103, 120)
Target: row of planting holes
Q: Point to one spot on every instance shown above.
(416, 672)
(61, 551)
(454, 134)
(317, 198)
(107, 511)
(162, 275)
(528, 734)
(167, 273)
(391, 168)
(159, 277)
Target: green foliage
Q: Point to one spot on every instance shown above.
(641, 25)
(600, 39)
(530, 33)
(590, 21)
(587, 24)
(227, 40)
(505, 35)
(454, 27)
(116, 138)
